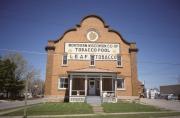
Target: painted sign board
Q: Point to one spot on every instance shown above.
(101, 51)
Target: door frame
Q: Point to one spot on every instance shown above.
(92, 80)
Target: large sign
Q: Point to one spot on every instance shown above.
(83, 51)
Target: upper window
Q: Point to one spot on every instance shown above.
(65, 60)
(92, 61)
(120, 83)
(119, 61)
(63, 83)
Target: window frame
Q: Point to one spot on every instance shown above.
(92, 60)
(123, 86)
(118, 55)
(59, 83)
(63, 60)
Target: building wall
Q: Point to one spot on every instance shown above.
(170, 89)
(55, 50)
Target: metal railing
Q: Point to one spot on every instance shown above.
(77, 96)
(109, 96)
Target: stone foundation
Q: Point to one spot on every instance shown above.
(128, 98)
(55, 99)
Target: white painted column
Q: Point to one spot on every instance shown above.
(115, 87)
(101, 84)
(112, 88)
(70, 88)
(85, 85)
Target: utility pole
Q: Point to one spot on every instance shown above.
(26, 90)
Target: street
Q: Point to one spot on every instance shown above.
(14, 104)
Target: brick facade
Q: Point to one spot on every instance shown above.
(56, 50)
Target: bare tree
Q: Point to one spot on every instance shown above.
(21, 63)
(22, 71)
(36, 84)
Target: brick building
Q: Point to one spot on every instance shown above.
(170, 89)
(91, 60)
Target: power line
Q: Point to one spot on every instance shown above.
(156, 62)
(23, 51)
(44, 53)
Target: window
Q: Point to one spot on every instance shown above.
(119, 61)
(92, 61)
(63, 83)
(64, 61)
(120, 83)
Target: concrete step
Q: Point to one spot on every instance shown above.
(97, 109)
(93, 100)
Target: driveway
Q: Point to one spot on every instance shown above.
(165, 104)
(14, 104)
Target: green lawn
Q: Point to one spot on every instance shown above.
(83, 108)
(55, 109)
(156, 115)
(127, 107)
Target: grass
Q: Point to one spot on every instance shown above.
(83, 108)
(55, 109)
(156, 115)
(128, 107)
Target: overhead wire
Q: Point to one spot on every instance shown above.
(45, 53)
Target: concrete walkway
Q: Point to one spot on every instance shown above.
(97, 109)
(164, 104)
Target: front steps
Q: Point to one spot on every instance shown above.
(97, 109)
(95, 102)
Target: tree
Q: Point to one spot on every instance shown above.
(35, 84)
(13, 73)
(21, 64)
(8, 81)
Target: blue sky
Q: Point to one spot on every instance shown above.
(153, 24)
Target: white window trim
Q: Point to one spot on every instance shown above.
(94, 62)
(120, 66)
(62, 64)
(59, 83)
(124, 85)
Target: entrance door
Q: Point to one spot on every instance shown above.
(92, 87)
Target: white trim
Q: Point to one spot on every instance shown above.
(86, 85)
(92, 31)
(100, 85)
(121, 89)
(124, 88)
(59, 83)
(70, 85)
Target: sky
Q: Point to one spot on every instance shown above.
(27, 25)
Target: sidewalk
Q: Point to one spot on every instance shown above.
(164, 104)
(76, 115)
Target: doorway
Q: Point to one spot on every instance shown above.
(92, 90)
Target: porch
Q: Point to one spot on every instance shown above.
(97, 83)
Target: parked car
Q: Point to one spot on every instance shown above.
(172, 97)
